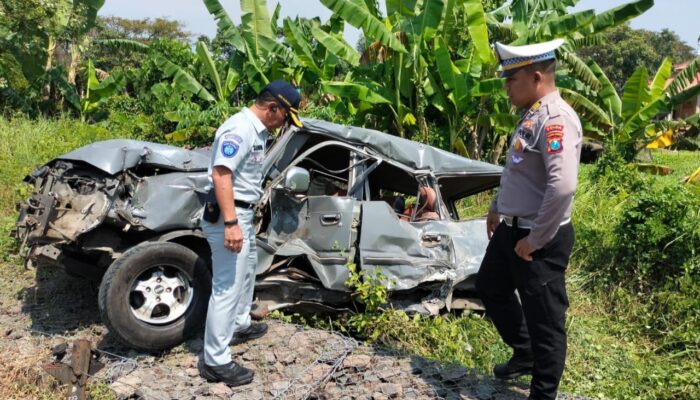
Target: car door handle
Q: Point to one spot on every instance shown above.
(432, 237)
(330, 219)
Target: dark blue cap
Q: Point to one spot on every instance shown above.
(287, 96)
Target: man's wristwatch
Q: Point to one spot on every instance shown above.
(231, 222)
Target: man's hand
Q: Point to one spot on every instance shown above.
(492, 221)
(233, 238)
(524, 249)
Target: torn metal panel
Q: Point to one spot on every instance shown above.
(325, 235)
(469, 241)
(169, 201)
(398, 249)
(117, 155)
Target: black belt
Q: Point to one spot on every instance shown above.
(525, 223)
(243, 204)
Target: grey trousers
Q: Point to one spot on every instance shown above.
(233, 281)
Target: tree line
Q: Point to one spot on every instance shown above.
(424, 70)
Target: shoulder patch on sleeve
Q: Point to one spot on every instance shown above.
(229, 148)
(555, 142)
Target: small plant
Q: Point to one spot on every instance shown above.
(370, 291)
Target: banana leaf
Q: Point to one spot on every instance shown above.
(98, 91)
(371, 6)
(330, 61)
(182, 80)
(636, 93)
(658, 85)
(502, 32)
(585, 41)
(255, 21)
(123, 44)
(274, 20)
(301, 46)
(353, 91)
(685, 95)
(232, 80)
(428, 20)
(580, 69)
(560, 26)
(685, 77)
(361, 18)
(488, 87)
(478, 32)
(448, 24)
(58, 77)
(607, 93)
(634, 124)
(450, 76)
(225, 26)
(586, 107)
(209, 65)
(405, 8)
(338, 46)
(618, 15)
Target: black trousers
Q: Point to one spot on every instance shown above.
(535, 325)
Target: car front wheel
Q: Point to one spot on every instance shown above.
(155, 296)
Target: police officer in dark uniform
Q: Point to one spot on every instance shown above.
(529, 222)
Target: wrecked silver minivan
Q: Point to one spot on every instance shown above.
(127, 213)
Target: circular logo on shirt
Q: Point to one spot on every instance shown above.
(229, 149)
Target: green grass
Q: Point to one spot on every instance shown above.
(682, 163)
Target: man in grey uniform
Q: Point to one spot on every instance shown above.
(236, 178)
(529, 222)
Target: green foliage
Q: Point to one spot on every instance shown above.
(623, 49)
(369, 291)
(658, 233)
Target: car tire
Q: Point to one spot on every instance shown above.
(155, 295)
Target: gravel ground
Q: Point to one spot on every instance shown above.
(40, 309)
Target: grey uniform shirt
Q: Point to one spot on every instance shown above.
(540, 175)
(239, 145)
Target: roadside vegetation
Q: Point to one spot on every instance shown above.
(425, 73)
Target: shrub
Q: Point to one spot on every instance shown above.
(658, 235)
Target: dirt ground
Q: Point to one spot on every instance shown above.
(42, 308)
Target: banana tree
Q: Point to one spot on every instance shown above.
(96, 92)
(259, 56)
(633, 121)
(398, 64)
(183, 81)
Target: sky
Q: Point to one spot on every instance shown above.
(681, 16)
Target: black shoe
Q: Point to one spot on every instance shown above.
(254, 331)
(514, 368)
(231, 374)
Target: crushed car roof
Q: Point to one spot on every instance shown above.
(134, 152)
(415, 155)
(408, 152)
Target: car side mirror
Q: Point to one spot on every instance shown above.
(296, 180)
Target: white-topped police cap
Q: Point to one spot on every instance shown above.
(514, 57)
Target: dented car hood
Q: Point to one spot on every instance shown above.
(116, 155)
